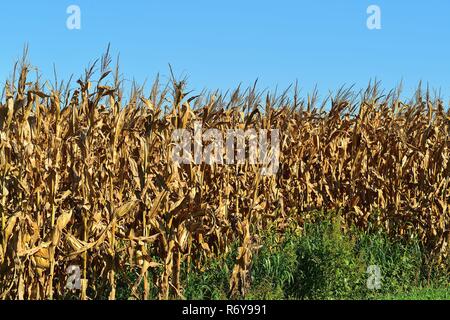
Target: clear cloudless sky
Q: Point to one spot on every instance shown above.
(220, 44)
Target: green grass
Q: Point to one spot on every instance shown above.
(321, 262)
(325, 263)
(421, 294)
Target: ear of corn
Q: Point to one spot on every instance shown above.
(88, 180)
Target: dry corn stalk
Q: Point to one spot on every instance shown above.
(88, 179)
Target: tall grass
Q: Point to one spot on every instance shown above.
(324, 262)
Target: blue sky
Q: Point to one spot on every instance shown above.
(219, 44)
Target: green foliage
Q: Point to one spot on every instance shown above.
(333, 264)
(421, 294)
(324, 262)
(401, 263)
(209, 284)
(328, 267)
(212, 282)
(274, 267)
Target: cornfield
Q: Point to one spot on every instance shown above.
(87, 179)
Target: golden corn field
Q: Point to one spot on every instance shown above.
(87, 178)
